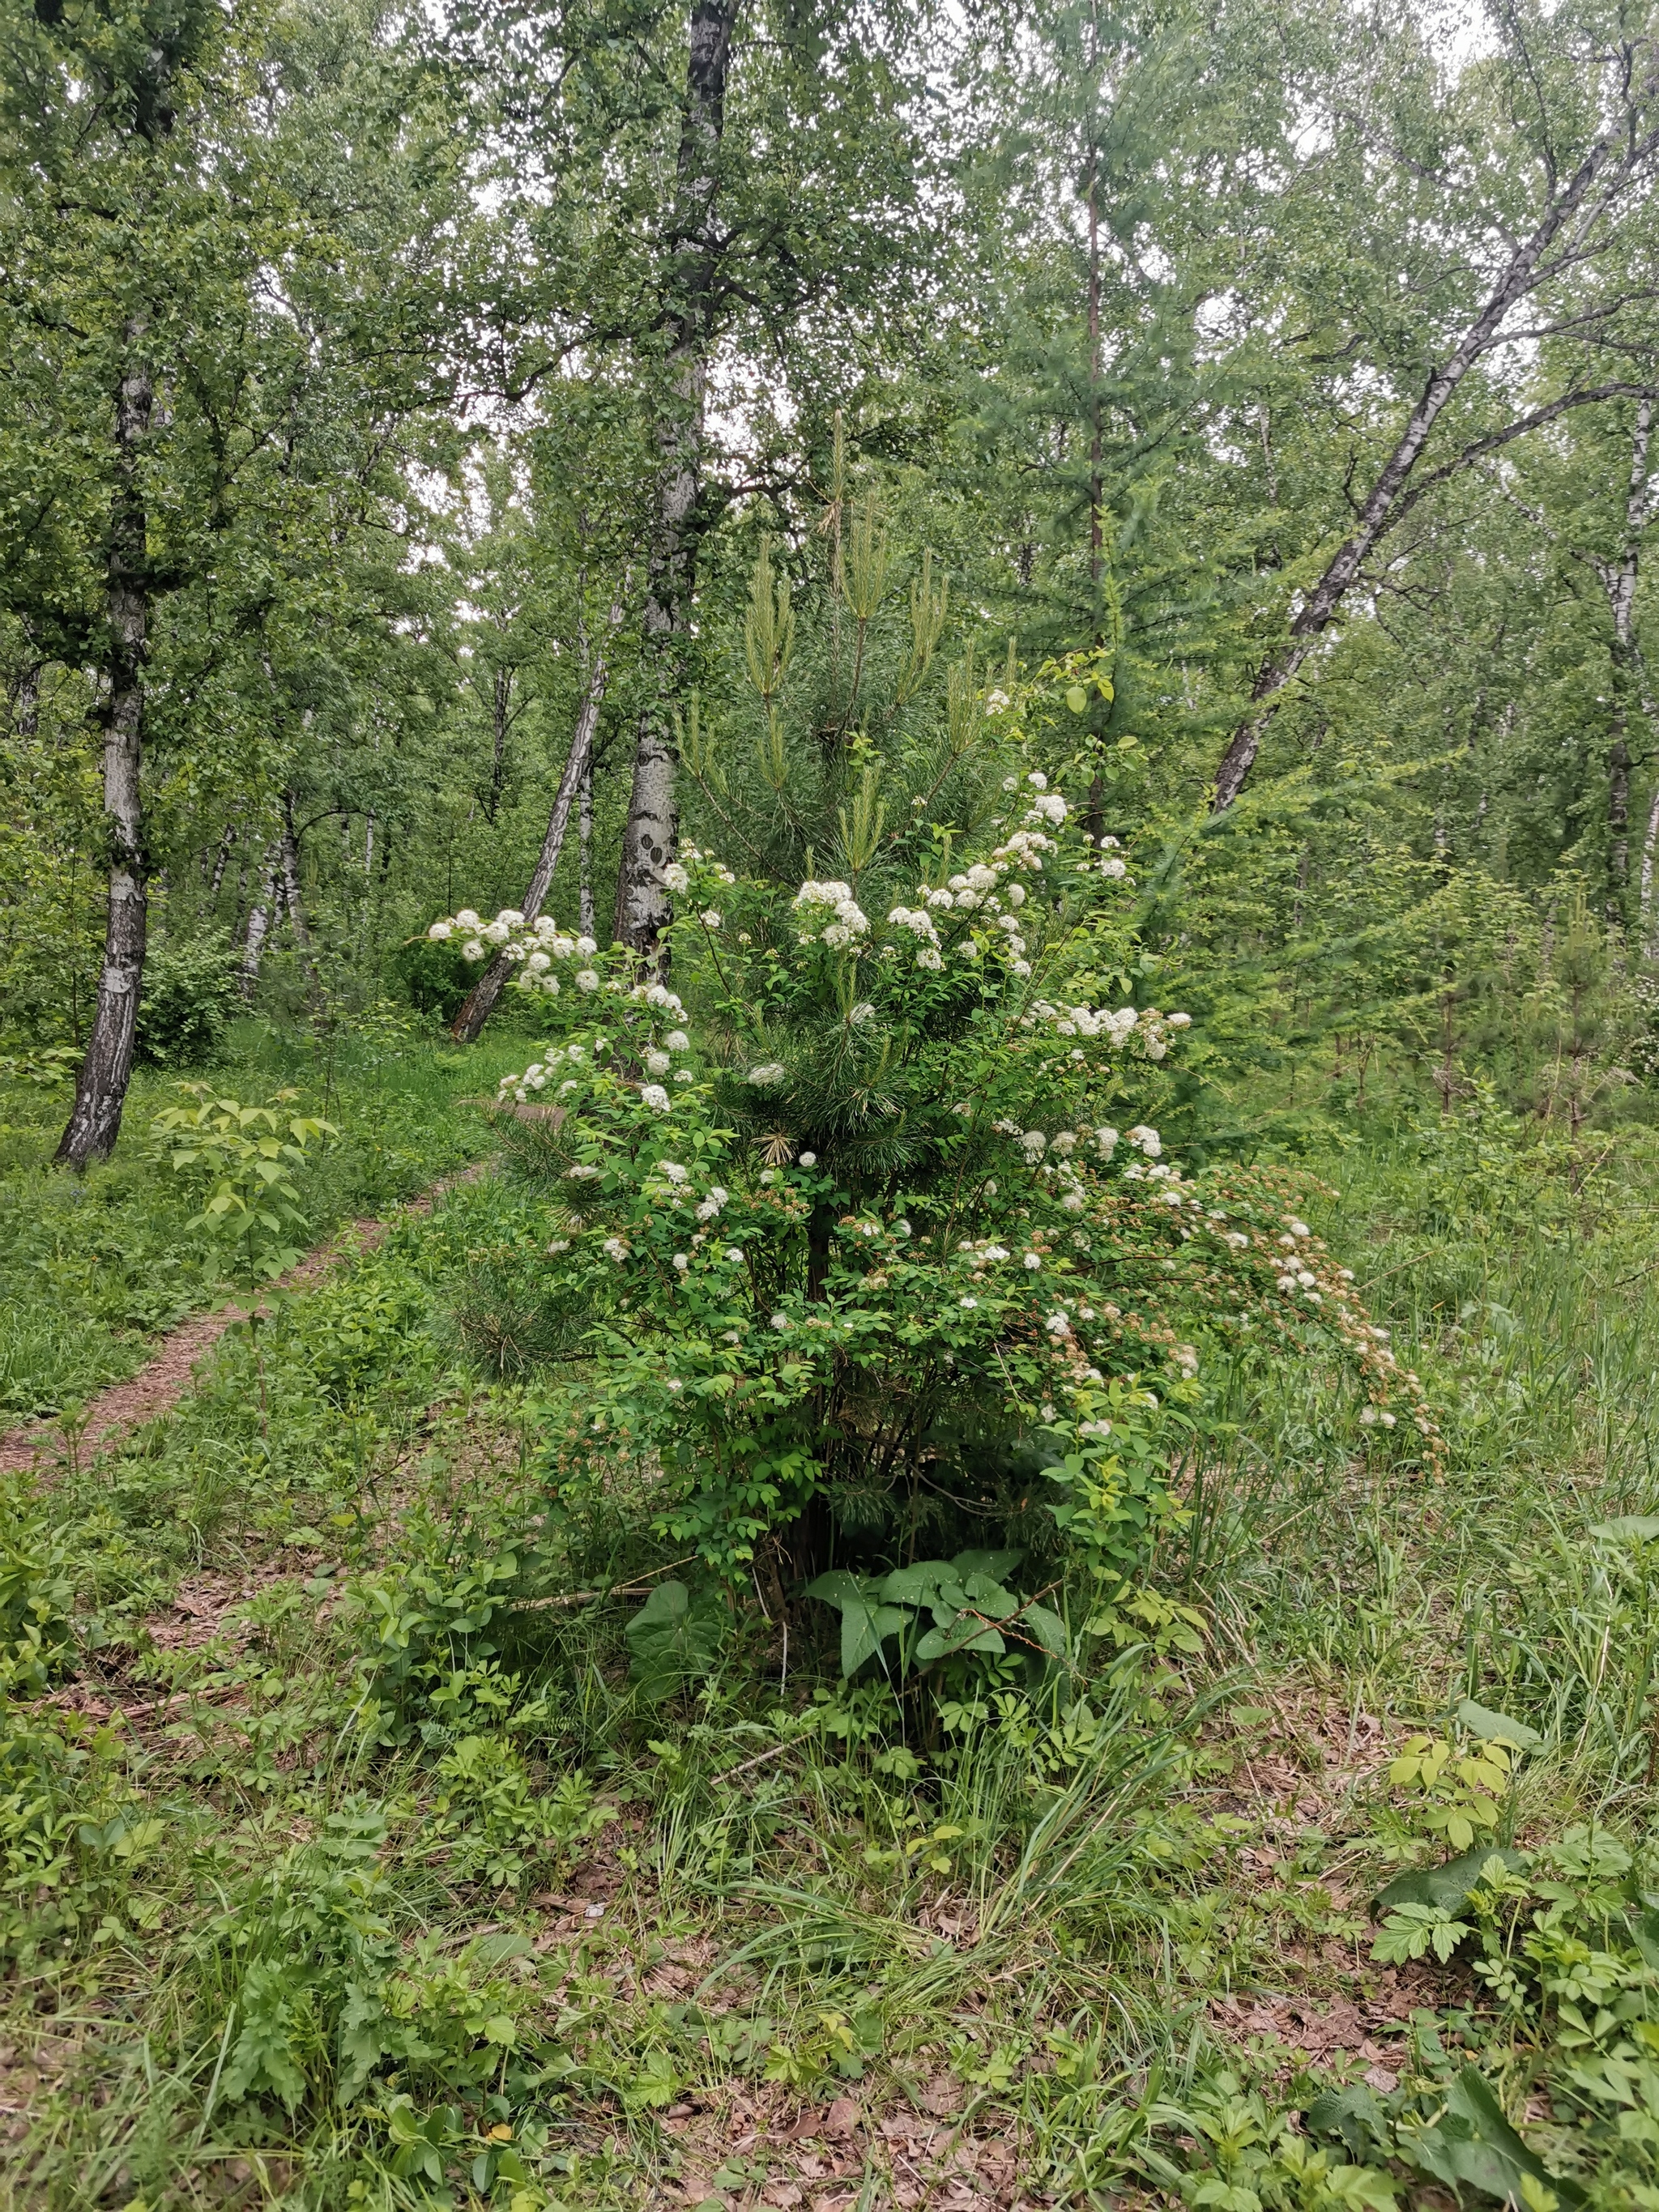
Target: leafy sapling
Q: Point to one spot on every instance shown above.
(243, 1160)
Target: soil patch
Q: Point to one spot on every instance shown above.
(39, 1447)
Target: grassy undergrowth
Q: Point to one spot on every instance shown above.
(343, 1866)
(90, 1267)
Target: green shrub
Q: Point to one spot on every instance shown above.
(190, 994)
(432, 977)
(36, 1592)
(860, 1255)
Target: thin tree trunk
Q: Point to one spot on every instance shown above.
(259, 922)
(585, 851)
(287, 853)
(1650, 843)
(1618, 581)
(221, 860)
(1388, 499)
(642, 904)
(25, 714)
(101, 1089)
(1095, 817)
(480, 1002)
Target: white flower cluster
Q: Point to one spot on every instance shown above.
(920, 923)
(678, 1191)
(532, 947)
(984, 1254)
(1150, 1027)
(659, 1060)
(831, 913)
(1054, 1157)
(975, 890)
(1025, 849)
(677, 877)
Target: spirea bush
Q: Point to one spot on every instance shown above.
(890, 1219)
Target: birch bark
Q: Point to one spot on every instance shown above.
(1618, 581)
(642, 905)
(480, 1002)
(1556, 241)
(100, 1088)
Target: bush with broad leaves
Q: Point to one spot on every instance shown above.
(882, 1236)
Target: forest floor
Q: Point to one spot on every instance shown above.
(344, 1866)
(98, 1426)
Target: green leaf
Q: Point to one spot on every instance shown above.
(1046, 1629)
(1643, 1526)
(1498, 1727)
(964, 1634)
(1354, 2114)
(1444, 1887)
(864, 1625)
(837, 1587)
(1473, 2145)
(996, 1565)
(673, 1636)
(987, 1596)
(912, 1585)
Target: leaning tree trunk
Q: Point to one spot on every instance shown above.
(1575, 201)
(480, 1002)
(642, 906)
(101, 1089)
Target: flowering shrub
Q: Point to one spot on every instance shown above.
(863, 1231)
(864, 1228)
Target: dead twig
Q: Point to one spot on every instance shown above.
(639, 1587)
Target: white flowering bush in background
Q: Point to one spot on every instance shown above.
(862, 1231)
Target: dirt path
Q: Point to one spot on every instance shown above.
(159, 1385)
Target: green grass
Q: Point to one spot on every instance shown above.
(365, 1838)
(92, 1267)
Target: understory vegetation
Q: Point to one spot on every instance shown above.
(829, 1096)
(365, 1844)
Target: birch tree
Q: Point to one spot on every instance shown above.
(1509, 244)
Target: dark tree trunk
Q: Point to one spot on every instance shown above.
(480, 1002)
(101, 1089)
(642, 905)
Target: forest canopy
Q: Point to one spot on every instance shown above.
(395, 410)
